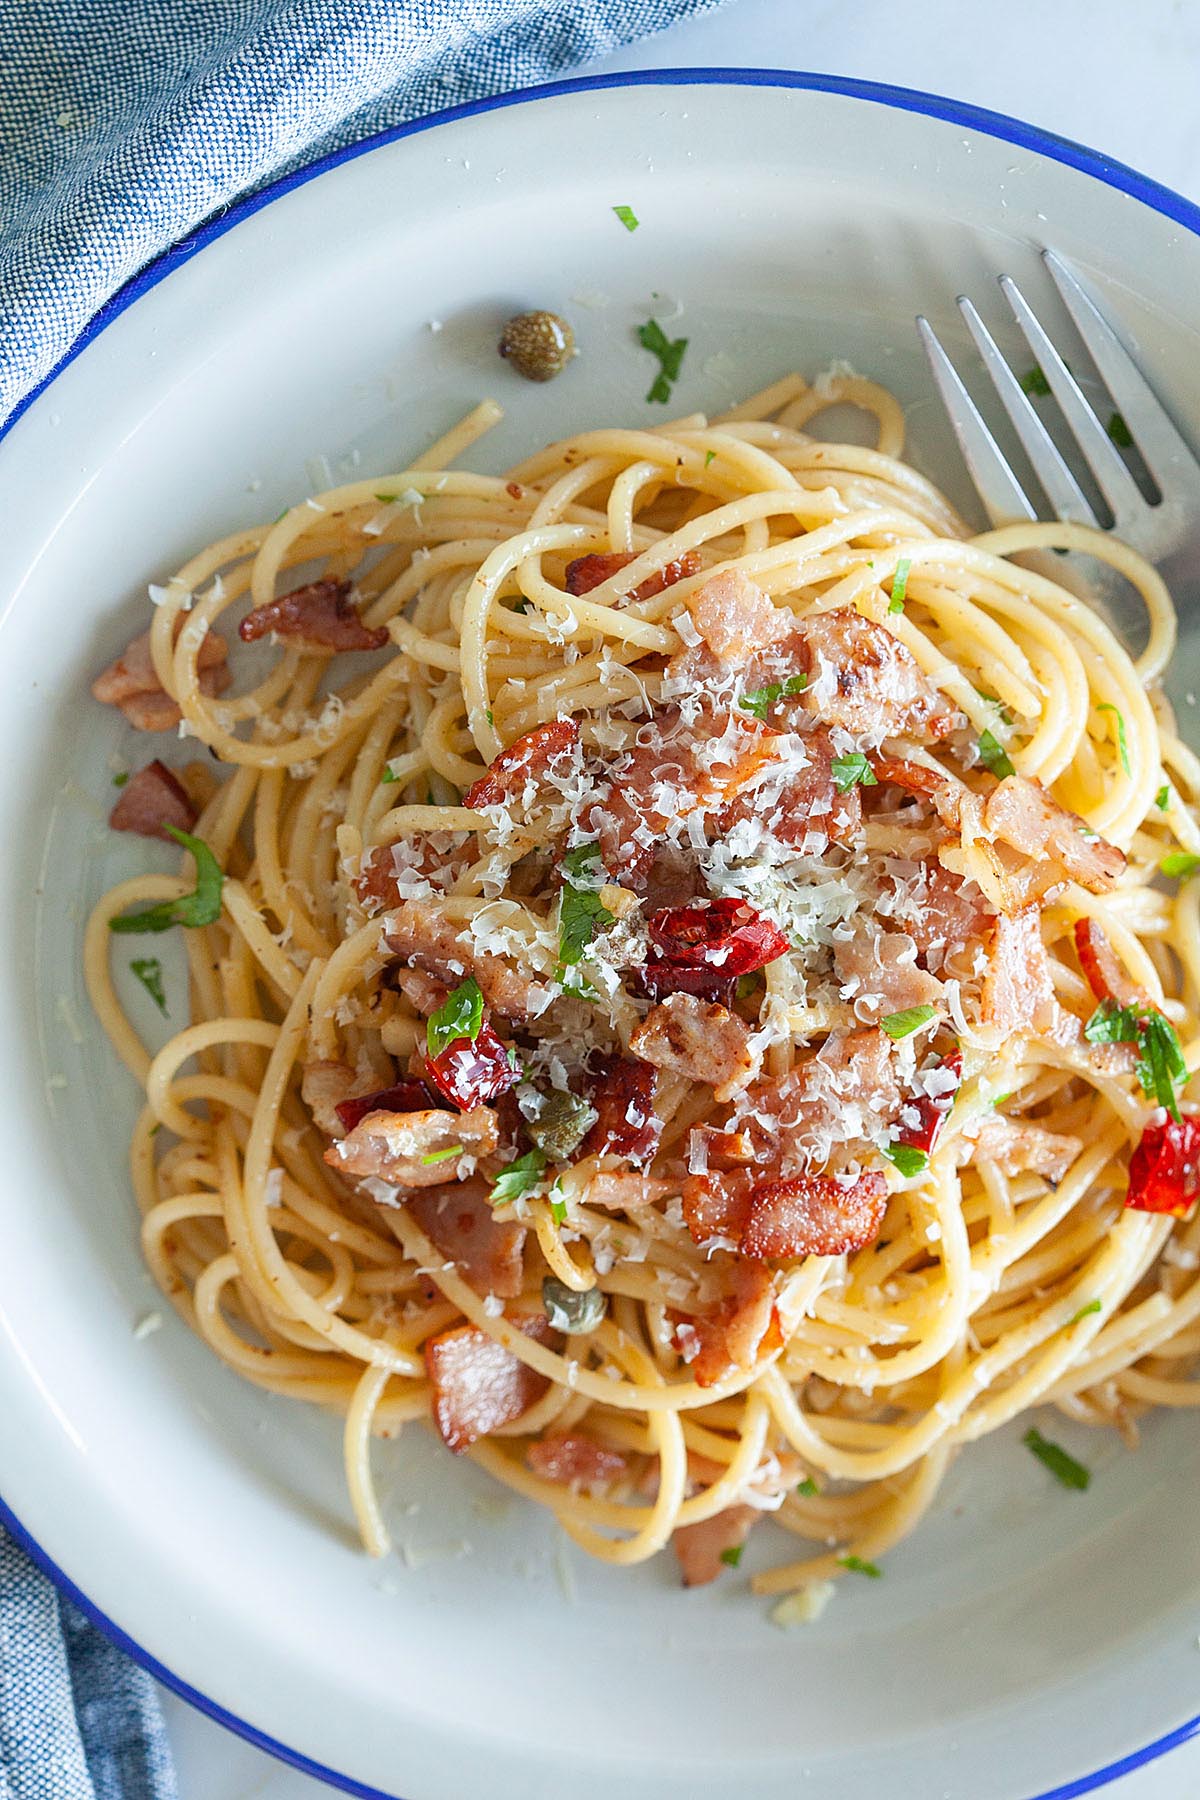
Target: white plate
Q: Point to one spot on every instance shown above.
(1026, 1636)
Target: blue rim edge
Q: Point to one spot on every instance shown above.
(974, 118)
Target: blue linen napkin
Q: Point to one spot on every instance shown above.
(124, 124)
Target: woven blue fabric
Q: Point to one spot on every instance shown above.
(125, 123)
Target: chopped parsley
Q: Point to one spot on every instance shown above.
(201, 907)
(627, 216)
(858, 1565)
(148, 970)
(808, 1488)
(994, 756)
(748, 986)
(709, 457)
(558, 1206)
(1122, 741)
(1178, 864)
(733, 1556)
(518, 1178)
(1093, 1306)
(851, 770)
(995, 700)
(908, 1160)
(902, 1024)
(438, 1156)
(1161, 1069)
(581, 912)
(1034, 382)
(1163, 797)
(489, 715)
(761, 700)
(900, 585)
(459, 1016)
(120, 780)
(387, 499)
(1061, 1465)
(389, 773)
(1119, 431)
(669, 352)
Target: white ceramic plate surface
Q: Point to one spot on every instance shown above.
(1026, 1637)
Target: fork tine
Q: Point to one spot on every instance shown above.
(1112, 477)
(1163, 451)
(1003, 497)
(1062, 489)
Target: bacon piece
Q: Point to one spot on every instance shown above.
(701, 1547)
(941, 789)
(459, 1220)
(1018, 991)
(727, 935)
(1021, 813)
(672, 877)
(1164, 1170)
(734, 617)
(419, 932)
(623, 1192)
(951, 913)
(396, 1147)
(477, 1384)
(472, 1071)
(323, 1088)
(1017, 1148)
(803, 801)
(847, 1092)
(696, 1039)
(424, 993)
(932, 1110)
(402, 1097)
(878, 689)
(802, 1215)
(526, 759)
(575, 1460)
(880, 973)
(152, 799)
(716, 1207)
(587, 572)
(622, 1092)
(131, 682)
(1103, 969)
(320, 616)
(380, 879)
(741, 1329)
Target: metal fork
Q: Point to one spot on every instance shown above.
(1165, 525)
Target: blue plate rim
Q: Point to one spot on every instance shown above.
(1113, 173)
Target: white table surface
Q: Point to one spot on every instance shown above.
(1120, 75)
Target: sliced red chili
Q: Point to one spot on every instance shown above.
(933, 1112)
(657, 978)
(726, 936)
(404, 1096)
(525, 757)
(1106, 974)
(472, 1071)
(1164, 1170)
(622, 1092)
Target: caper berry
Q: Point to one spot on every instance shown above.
(571, 1311)
(561, 1125)
(539, 345)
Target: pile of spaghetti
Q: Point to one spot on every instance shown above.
(693, 980)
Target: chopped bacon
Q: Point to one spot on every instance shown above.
(397, 1148)
(734, 617)
(526, 759)
(1021, 813)
(727, 935)
(941, 789)
(846, 1092)
(945, 914)
(622, 1092)
(1018, 1148)
(804, 801)
(323, 1088)
(419, 932)
(460, 1221)
(742, 1328)
(880, 973)
(697, 1039)
(716, 1207)
(575, 1460)
(878, 689)
(477, 1384)
(472, 1071)
(402, 1097)
(424, 993)
(587, 572)
(1018, 991)
(1164, 1170)
(802, 1215)
(382, 877)
(932, 1110)
(320, 615)
(131, 682)
(152, 799)
(1103, 969)
(672, 877)
(701, 1547)
(623, 1192)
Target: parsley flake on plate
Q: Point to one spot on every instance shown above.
(858, 1565)
(1163, 797)
(628, 217)
(669, 352)
(1119, 431)
(1093, 1306)
(1034, 381)
(733, 1556)
(1060, 1463)
(148, 970)
(201, 907)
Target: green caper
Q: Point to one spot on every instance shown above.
(569, 1310)
(562, 1124)
(539, 345)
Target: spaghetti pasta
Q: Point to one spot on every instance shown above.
(662, 1021)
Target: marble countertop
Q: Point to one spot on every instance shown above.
(1116, 76)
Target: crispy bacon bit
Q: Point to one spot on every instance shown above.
(932, 1110)
(1164, 1170)
(477, 1384)
(459, 1220)
(396, 1147)
(700, 1547)
(696, 1039)
(880, 973)
(623, 1092)
(131, 682)
(808, 800)
(814, 1215)
(743, 1327)
(472, 1071)
(587, 572)
(725, 934)
(1103, 969)
(526, 759)
(1018, 991)
(403, 1097)
(424, 993)
(1020, 1149)
(380, 880)
(575, 1460)
(623, 1192)
(878, 687)
(734, 617)
(419, 932)
(152, 799)
(323, 1088)
(321, 616)
(1020, 812)
(950, 913)
(846, 1092)
(940, 788)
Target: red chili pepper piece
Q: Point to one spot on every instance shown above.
(657, 978)
(525, 757)
(622, 1092)
(1164, 1170)
(472, 1071)
(726, 936)
(926, 1132)
(405, 1096)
